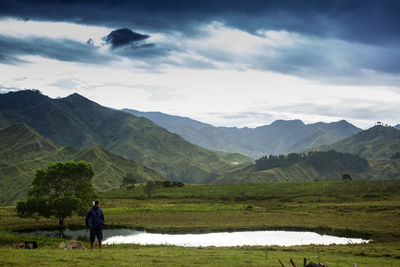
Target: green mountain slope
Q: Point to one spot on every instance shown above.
(295, 172)
(30, 151)
(313, 139)
(279, 137)
(329, 165)
(378, 169)
(375, 143)
(19, 142)
(79, 122)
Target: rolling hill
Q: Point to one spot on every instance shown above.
(277, 138)
(76, 121)
(306, 170)
(378, 142)
(330, 165)
(23, 151)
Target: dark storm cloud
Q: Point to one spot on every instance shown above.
(61, 49)
(13, 50)
(344, 37)
(127, 43)
(367, 21)
(123, 37)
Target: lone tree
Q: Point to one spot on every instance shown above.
(60, 190)
(149, 188)
(128, 181)
(346, 177)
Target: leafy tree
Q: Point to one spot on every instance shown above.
(396, 155)
(346, 177)
(59, 191)
(129, 180)
(149, 188)
(170, 183)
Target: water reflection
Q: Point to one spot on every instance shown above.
(262, 238)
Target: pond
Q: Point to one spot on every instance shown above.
(244, 238)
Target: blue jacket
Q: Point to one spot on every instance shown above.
(94, 219)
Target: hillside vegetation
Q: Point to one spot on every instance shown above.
(23, 151)
(375, 143)
(79, 122)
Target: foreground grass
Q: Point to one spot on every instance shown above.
(211, 256)
(369, 209)
(264, 191)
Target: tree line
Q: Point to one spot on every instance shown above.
(320, 160)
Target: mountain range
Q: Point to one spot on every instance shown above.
(36, 130)
(23, 151)
(78, 122)
(280, 137)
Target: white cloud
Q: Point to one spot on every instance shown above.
(57, 30)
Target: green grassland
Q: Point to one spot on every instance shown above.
(366, 209)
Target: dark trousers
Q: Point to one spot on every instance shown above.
(96, 232)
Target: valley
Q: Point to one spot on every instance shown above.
(280, 137)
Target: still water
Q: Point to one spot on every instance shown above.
(261, 238)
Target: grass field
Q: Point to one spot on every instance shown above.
(367, 209)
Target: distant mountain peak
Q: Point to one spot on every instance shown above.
(27, 91)
(343, 122)
(381, 130)
(21, 98)
(288, 122)
(76, 96)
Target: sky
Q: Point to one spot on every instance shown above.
(228, 63)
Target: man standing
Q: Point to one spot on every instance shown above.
(95, 221)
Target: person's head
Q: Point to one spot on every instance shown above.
(96, 204)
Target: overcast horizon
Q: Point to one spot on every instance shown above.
(226, 63)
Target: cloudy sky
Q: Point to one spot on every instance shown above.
(228, 63)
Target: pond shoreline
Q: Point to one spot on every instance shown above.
(348, 233)
(233, 238)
